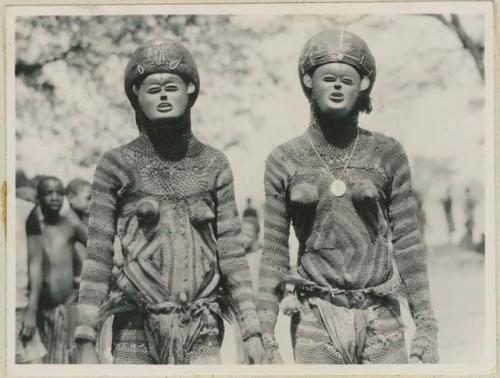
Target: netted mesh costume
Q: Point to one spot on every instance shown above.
(359, 253)
(189, 247)
(178, 227)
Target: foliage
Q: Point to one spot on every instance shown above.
(71, 106)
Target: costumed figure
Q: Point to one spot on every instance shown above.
(170, 201)
(347, 191)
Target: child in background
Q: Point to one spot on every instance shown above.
(79, 192)
(59, 235)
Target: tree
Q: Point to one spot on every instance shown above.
(71, 107)
(475, 48)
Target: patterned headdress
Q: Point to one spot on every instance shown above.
(160, 56)
(337, 46)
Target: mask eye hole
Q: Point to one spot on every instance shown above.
(347, 81)
(171, 88)
(153, 89)
(329, 78)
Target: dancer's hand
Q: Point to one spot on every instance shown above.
(254, 350)
(273, 357)
(28, 324)
(424, 349)
(87, 353)
(415, 360)
(272, 350)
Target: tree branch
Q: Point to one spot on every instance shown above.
(30, 69)
(469, 44)
(475, 49)
(441, 18)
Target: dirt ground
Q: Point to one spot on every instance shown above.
(457, 284)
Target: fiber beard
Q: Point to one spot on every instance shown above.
(337, 129)
(170, 138)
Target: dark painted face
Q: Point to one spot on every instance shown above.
(51, 195)
(335, 88)
(163, 96)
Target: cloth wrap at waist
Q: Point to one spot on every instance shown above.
(171, 325)
(347, 314)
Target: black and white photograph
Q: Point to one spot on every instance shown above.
(251, 188)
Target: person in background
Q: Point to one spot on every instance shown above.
(481, 246)
(78, 193)
(29, 251)
(250, 231)
(21, 178)
(59, 235)
(26, 193)
(250, 211)
(469, 209)
(25, 188)
(447, 203)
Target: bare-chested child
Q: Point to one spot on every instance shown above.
(59, 234)
(79, 192)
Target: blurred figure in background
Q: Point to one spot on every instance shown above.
(250, 211)
(21, 178)
(447, 202)
(481, 246)
(250, 230)
(29, 252)
(59, 235)
(26, 193)
(469, 208)
(78, 192)
(25, 188)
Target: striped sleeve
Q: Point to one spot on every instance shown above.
(275, 257)
(96, 273)
(410, 255)
(232, 260)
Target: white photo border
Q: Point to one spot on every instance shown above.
(488, 364)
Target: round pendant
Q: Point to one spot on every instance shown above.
(338, 188)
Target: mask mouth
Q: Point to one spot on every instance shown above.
(164, 107)
(336, 97)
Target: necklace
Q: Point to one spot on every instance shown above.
(338, 186)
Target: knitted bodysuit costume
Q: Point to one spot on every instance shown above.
(346, 243)
(178, 227)
(192, 193)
